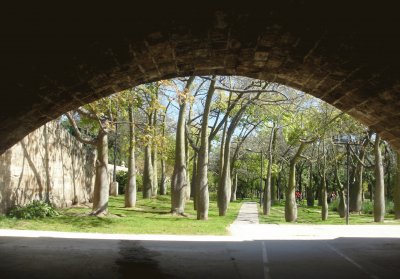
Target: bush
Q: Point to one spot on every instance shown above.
(33, 210)
(368, 207)
(122, 179)
(334, 205)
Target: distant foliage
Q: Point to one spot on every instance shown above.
(122, 179)
(33, 210)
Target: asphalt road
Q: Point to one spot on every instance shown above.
(52, 257)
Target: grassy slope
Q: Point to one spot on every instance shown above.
(149, 217)
(312, 215)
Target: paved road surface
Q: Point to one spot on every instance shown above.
(253, 251)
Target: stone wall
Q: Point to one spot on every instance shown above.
(47, 164)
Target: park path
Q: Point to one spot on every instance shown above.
(248, 214)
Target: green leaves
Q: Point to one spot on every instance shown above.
(33, 210)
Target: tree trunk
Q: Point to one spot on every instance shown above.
(234, 187)
(130, 188)
(310, 190)
(179, 177)
(342, 206)
(225, 183)
(163, 182)
(154, 154)
(201, 188)
(379, 201)
(193, 182)
(267, 189)
(355, 202)
(148, 176)
(324, 194)
(396, 190)
(290, 203)
(101, 184)
(188, 181)
(273, 190)
(154, 159)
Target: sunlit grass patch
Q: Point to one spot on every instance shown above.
(150, 216)
(312, 215)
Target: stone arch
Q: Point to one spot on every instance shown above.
(344, 55)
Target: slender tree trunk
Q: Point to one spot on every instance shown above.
(163, 182)
(355, 201)
(148, 176)
(179, 177)
(154, 155)
(267, 189)
(189, 186)
(101, 184)
(342, 206)
(290, 203)
(273, 190)
(201, 188)
(310, 190)
(193, 182)
(225, 183)
(234, 187)
(148, 171)
(324, 194)
(379, 201)
(130, 188)
(154, 159)
(396, 190)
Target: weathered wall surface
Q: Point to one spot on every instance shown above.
(47, 164)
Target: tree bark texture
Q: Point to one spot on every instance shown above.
(101, 184)
(201, 186)
(234, 187)
(148, 176)
(396, 190)
(379, 200)
(267, 189)
(355, 201)
(324, 192)
(290, 204)
(179, 177)
(130, 188)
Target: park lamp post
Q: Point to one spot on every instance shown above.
(261, 172)
(346, 140)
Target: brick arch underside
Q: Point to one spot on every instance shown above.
(352, 65)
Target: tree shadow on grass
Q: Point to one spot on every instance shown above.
(85, 221)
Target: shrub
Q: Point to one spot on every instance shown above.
(33, 210)
(334, 205)
(122, 179)
(367, 207)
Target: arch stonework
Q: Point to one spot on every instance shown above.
(347, 56)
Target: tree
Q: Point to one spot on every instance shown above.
(201, 182)
(179, 177)
(396, 192)
(100, 116)
(379, 197)
(130, 189)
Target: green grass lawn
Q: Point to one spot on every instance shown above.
(312, 215)
(149, 217)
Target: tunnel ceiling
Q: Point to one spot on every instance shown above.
(57, 58)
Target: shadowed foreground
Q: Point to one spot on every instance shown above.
(47, 257)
